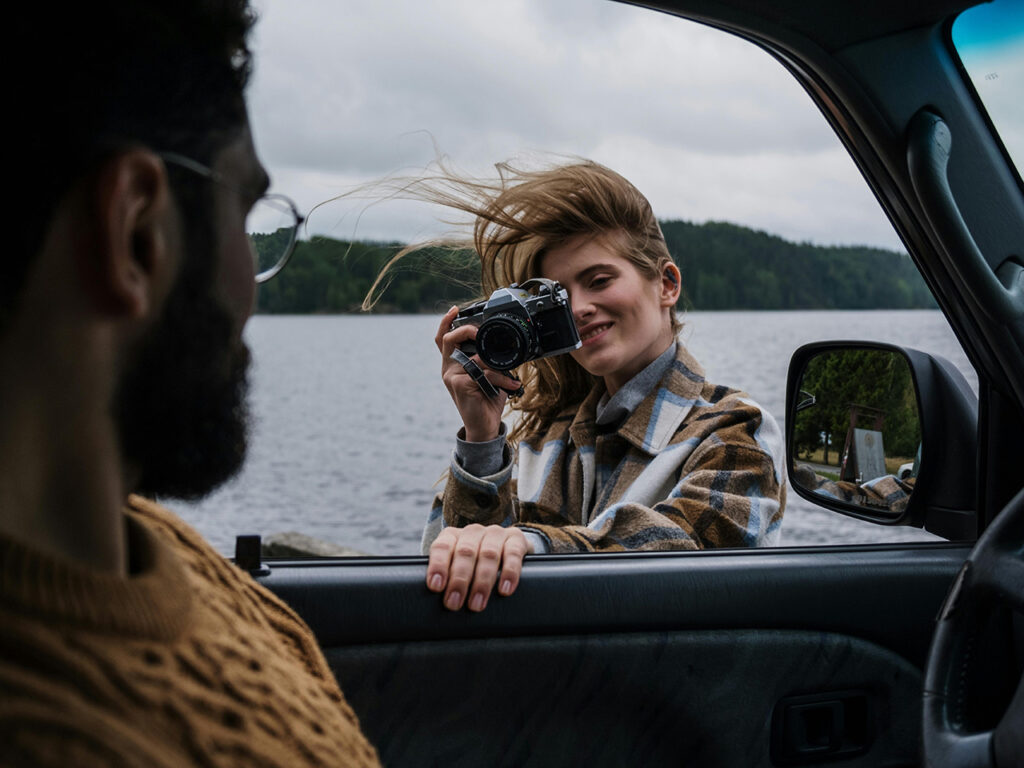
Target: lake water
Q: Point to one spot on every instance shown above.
(353, 426)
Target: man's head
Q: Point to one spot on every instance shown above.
(105, 89)
(93, 78)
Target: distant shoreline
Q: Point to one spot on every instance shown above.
(682, 313)
(725, 267)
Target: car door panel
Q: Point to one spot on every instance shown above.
(840, 589)
(646, 698)
(661, 656)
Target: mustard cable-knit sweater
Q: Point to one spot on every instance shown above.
(186, 661)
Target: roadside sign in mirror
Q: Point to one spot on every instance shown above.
(867, 459)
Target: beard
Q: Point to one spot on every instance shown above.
(181, 409)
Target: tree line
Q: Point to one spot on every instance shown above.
(725, 267)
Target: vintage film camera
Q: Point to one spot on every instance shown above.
(516, 326)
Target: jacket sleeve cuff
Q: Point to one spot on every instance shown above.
(481, 459)
(537, 542)
(486, 499)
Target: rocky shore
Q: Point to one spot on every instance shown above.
(294, 544)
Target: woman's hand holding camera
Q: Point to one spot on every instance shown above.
(481, 415)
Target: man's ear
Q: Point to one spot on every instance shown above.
(671, 285)
(136, 227)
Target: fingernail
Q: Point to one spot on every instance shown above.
(453, 601)
(435, 582)
(506, 587)
(476, 603)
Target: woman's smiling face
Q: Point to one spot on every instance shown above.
(624, 318)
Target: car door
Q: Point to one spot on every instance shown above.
(789, 656)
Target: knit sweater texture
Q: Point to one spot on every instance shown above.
(185, 661)
(694, 466)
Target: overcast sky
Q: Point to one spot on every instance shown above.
(705, 125)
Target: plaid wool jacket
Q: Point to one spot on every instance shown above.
(694, 466)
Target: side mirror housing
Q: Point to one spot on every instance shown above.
(883, 433)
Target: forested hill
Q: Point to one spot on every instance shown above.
(725, 266)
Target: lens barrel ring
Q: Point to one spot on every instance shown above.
(505, 341)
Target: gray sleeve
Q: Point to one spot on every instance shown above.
(537, 542)
(481, 459)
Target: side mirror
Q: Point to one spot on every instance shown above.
(884, 434)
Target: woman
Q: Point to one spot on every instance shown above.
(622, 444)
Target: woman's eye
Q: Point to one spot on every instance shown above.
(599, 282)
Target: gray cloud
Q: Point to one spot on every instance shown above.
(708, 126)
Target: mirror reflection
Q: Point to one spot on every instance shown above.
(856, 433)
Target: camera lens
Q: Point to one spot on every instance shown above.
(503, 342)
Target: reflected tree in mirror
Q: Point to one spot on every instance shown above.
(857, 434)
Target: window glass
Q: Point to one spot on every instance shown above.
(989, 39)
(352, 426)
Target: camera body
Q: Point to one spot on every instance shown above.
(516, 326)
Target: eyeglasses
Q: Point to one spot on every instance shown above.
(272, 224)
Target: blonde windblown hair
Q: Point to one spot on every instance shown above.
(517, 219)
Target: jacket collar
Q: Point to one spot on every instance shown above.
(652, 424)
